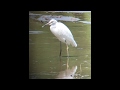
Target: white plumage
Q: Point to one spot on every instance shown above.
(62, 32)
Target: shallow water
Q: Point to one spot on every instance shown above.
(44, 47)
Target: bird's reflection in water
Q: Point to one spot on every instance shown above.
(68, 73)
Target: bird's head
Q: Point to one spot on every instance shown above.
(51, 22)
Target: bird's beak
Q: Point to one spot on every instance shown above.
(45, 24)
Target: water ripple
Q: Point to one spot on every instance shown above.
(35, 32)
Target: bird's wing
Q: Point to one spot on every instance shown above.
(65, 34)
(64, 31)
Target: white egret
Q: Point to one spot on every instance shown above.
(62, 33)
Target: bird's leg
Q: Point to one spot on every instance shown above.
(67, 50)
(60, 48)
(67, 62)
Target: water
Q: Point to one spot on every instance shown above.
(44, 61)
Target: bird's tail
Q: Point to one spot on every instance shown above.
(74, 44)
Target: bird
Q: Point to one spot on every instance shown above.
(63, 34)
